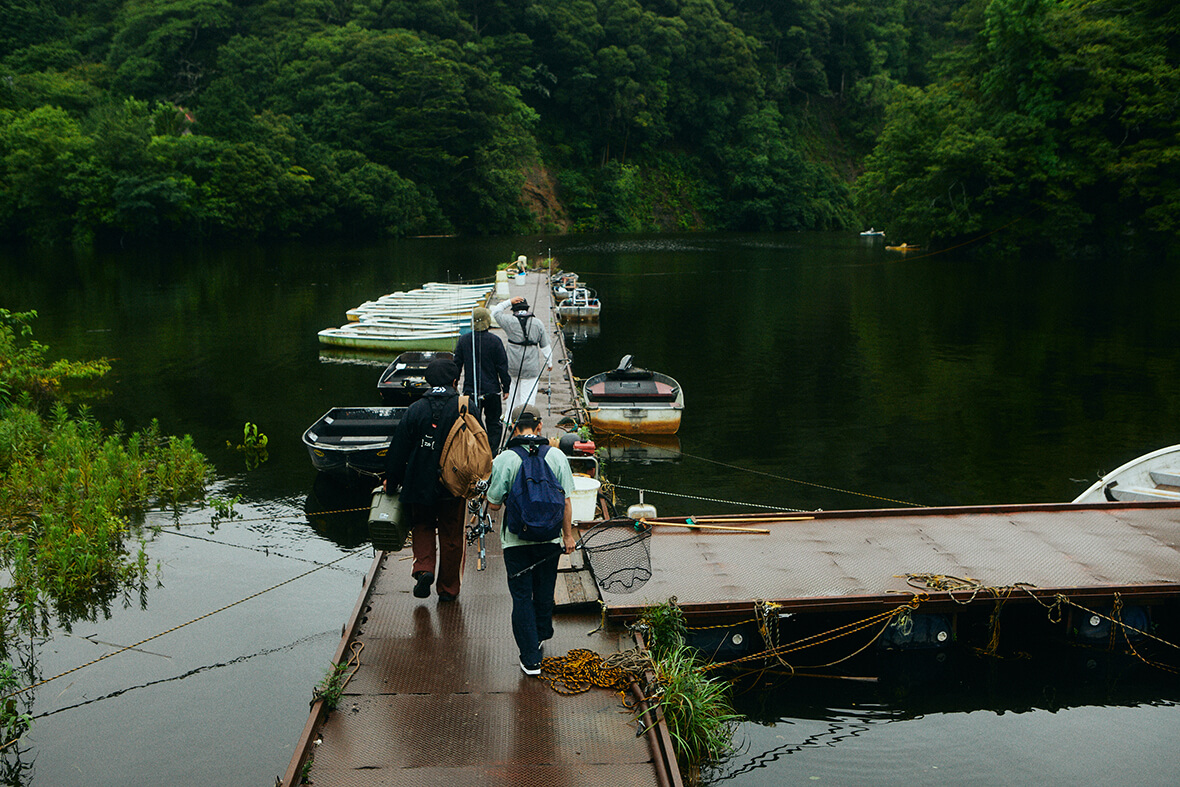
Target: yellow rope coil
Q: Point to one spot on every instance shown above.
(582, 669)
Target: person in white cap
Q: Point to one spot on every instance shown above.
(528, 349)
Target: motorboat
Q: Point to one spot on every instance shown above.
(404, 380)
(348, 441)
(564, 285)
(1153, 477)
(631, 400)
(582, 304)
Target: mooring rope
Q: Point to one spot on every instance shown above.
(581, 669)
(233, 518)
(775, 476)
(177, 627)
(608, 486)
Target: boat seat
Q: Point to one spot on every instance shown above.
(1166, 478)
(350, 439)
(1139, 494)
(360, 426)
(632, 390)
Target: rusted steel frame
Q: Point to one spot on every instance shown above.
(318, 713)
(883, 513)
(739, 611)
(663, 755)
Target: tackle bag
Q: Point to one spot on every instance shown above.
(535, 506)
(466, 459)
(388, 529)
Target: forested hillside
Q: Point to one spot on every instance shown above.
(938, 119)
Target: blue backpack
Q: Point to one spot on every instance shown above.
(535, 505)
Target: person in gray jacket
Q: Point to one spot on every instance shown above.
(528, 348)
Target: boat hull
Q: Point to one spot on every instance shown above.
(634, 420)
(360, 340)
(579, 312)
(352, 441)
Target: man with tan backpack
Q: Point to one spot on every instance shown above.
(438, 456)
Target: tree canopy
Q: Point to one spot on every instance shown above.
(939, 119)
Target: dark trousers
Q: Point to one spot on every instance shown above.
(489, 412)
(444, 520)
(532, 596)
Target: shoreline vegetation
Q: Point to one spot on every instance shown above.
(1014, 123)
(68, 491)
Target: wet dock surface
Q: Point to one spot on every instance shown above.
(440, 700)
(438, 697)
(845, 560)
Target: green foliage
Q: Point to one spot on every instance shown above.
(15, 720)
(697, 709)
(664, 628)
(65, 492)
(253, 446)
(1054, 117)
(66, 488)
(24, 369)
(331, 688)
(206, 118)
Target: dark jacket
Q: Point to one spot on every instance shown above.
(414, 452)
(493, 362)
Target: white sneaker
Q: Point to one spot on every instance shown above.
(527, 670)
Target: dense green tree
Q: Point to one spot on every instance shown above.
(1059, 116)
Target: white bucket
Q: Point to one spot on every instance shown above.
(585, 498)
(501, 284)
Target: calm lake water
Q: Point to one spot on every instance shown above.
(820, 372)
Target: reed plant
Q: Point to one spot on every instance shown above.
(697, 709)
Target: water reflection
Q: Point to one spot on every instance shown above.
(339, 512)
(640, 449)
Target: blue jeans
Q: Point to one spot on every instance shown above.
(532, 596)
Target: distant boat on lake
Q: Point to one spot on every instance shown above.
(872, 233)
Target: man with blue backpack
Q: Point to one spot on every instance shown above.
(534, 485)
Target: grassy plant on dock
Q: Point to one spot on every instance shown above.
(331, 688)
(696, 708)
(663, 628)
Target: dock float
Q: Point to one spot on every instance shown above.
(436, 696)
(867, 560)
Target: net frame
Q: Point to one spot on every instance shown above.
(618, 552)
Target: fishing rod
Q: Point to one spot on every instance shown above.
(480, 525)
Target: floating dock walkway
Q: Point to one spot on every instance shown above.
(437, 697)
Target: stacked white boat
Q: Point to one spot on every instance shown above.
(429, 318)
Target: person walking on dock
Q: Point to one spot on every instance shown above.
(531, 564)
(528, 349)
(413, 464)
(481, 357)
